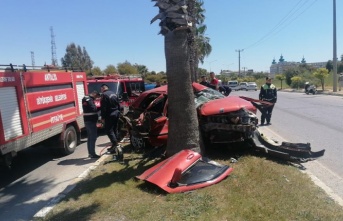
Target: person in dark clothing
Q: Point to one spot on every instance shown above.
(307, 85)
(204, 81)
(268, 93)
(158, 84)
(110, 112)
(90, 117)
(224, 89)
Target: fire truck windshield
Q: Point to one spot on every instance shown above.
(95, 86)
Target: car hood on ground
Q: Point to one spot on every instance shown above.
(185, 171)
(225, 105)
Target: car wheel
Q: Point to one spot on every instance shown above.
(137, 143)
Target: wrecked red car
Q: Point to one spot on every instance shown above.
(221, 120)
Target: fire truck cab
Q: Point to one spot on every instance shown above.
(128, 88)
(38, 105)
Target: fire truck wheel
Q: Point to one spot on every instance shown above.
(69, 141)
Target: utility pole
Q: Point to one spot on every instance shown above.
(239, 60)
(33, 59)
(244, 70)
(53, 48)
(334, 49)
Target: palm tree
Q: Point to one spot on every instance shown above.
(199, 44)
(204, 47)
(183, 123)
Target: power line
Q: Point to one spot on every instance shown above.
(281, 24)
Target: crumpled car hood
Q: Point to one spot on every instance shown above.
(226, 105)
(185, 171)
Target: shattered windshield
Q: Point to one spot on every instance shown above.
(206, 95)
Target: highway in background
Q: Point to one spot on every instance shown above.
(315, 119)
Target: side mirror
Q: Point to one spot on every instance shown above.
(125, 96)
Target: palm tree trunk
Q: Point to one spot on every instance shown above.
(183, 121)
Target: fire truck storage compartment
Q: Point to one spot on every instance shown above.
(38, 105)
(10, 115)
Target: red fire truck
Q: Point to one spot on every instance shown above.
(38, 105)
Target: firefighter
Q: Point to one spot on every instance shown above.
(268, 93)
(110, 113)
(90, 117)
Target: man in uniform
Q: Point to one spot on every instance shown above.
(90, 117)
(110, 112)
(268, 93)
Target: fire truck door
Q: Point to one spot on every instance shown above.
(10, 113)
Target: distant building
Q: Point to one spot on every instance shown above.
(282, 65)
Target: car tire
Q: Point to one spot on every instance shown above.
(137, 143)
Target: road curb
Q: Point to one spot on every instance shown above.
(339, 93)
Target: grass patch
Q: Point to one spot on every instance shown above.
(258, 189)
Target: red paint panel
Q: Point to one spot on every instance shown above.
(9, 79)
(162, 173)
(48, 120)
(79, 76)
(225, 105)
(45, 99)
(34, 79)
(159, 137)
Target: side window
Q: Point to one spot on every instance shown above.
(134, 88)
(148, 100)
(159, 105)
(121, 89)
(128, 89)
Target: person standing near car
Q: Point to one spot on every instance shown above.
(110, 112)
(214, 83)
(90, 117)
(268, 93)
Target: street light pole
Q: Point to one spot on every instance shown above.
(334, 49)
(239, 60)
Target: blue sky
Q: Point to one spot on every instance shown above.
(114, 31)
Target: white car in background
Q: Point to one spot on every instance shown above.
(233, 85)
(243, 86)
(251, 86)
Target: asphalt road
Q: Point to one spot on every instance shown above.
(315, 119)
(39, 176)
